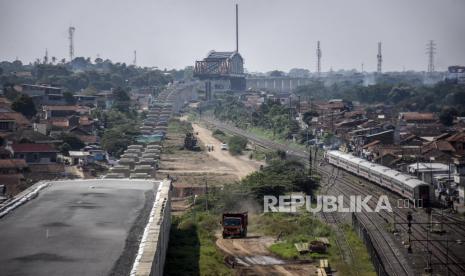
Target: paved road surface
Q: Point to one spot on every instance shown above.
(76, 228)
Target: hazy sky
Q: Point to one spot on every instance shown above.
(274, 34)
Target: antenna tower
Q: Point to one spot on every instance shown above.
(134, 62)
(380, 59)
(71, 42)
(431, 51)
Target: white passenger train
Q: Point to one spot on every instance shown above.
(403, 184)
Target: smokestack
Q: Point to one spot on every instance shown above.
(237, 28)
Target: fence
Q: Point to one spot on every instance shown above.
(367, 240)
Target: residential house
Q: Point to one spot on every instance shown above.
(11, 175)
(34, 153)
(64, 111)
(11, 121)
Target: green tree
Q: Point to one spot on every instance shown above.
(69, 98)
(121, 100)
(447, 116)
(237, 144)
(72, 140)
(24, 105)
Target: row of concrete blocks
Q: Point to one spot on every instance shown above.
(137, 162)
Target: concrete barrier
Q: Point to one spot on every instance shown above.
(150, 259)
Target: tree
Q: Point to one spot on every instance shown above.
(277, 73)
(69, 98)
(447, 116)
(121, 100)
(237, 144)
(72, 140)
(24, 105)
(307, 117)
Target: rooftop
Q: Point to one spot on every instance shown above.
(33, 148)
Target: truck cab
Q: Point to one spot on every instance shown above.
(235, 225)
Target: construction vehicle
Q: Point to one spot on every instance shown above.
(190, 142)
(235, 225)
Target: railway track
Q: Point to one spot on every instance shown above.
(439, 252)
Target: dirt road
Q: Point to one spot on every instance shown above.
(250, 256)
(240, 166)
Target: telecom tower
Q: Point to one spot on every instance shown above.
(71, 42)
(380, 59)
(430, 51)
(318, 56)
(134, 62)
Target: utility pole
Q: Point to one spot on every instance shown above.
(431, 51)
(380, 59)
(206, 194)
(310, 161)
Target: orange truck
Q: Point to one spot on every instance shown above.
(235, 225)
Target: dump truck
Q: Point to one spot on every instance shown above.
(235, 225)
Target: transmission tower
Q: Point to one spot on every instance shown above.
(380, 59)
(318, 56)
(134, 62)
(431, 51)
(71, 42)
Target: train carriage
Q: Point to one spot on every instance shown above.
(403, 184)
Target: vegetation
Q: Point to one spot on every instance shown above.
(120, 129)
(24, 105)
(192, 249)
(237, 144)
(406, 95)
(83, 74)
(270, 116)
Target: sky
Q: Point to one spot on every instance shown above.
(273, 34)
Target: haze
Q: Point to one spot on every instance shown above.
(274, 34)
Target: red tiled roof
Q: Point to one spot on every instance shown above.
(417, 116)
(457, 137)
(11, 179)
(14, 116)
(375, 142)
(33, 148)
(440, 145)
(88, 139)
(12, 163)
(59, 122)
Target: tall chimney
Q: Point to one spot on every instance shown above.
(237, 28)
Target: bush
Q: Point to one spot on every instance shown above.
(218, 132)
(237, 144)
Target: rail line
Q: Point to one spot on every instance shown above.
(303, 155)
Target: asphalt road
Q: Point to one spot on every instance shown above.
(76, 227)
